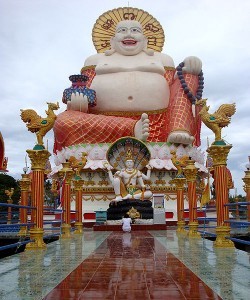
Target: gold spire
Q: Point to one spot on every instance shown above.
(129, 155)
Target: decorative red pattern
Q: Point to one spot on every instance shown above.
(192, 201)
(180, 204)
(180, 109)
(74, 127)
(90, 72)
(221, 190)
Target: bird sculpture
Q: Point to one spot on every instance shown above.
(9, 193)
(219, 119)
(37, 124)
(179, 163)
(78, 165)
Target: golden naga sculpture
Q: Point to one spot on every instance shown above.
(37, 124)
(219, 119)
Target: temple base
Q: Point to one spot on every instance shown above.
(181, 228)
(117, 210)
(193, 230)
(23, 231)
(221, 241)
(36, 234)
(66, 234)
(78, 228)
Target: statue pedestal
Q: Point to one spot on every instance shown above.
(117, 210)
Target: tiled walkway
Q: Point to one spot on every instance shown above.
(140, 265)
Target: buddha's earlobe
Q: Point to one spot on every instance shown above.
(112, 48)
(145, 49)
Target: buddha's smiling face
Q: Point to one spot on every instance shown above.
(129, 38)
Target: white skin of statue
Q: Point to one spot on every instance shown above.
(135, 73)
(130, 176)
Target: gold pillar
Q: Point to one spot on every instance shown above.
(38, 161)
(65, 174)
(78, 183)
(179, 183)
(219, 153)
(25, 189)
(9, 193)
(246, 180)
(190, 172)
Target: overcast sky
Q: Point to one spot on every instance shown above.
(42, 42)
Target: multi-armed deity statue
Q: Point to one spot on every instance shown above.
(128, 156)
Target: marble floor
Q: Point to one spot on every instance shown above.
(117, 265)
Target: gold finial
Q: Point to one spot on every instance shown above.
(218, 120)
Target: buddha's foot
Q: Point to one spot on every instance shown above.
(180, 137)
(117, 199)
(142, 128)
(128, 196)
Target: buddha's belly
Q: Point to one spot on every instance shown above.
(130, 91)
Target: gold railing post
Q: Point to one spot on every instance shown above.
(190, 171)
(25, 189)
(38, 161)
(65, 174)
(219, 153)
(179, 183)
(246, 180)
(78, 183)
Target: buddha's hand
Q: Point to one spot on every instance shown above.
(107, 166)
(78, 102)
(192, 65)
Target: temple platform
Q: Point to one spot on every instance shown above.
(134, 227)
(115, 265)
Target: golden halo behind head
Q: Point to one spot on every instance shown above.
(105, 25)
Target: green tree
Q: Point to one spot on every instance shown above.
(49, 197)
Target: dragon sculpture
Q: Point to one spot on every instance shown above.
(219, 119)
(37, 124)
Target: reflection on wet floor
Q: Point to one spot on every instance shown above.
(136, 265)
